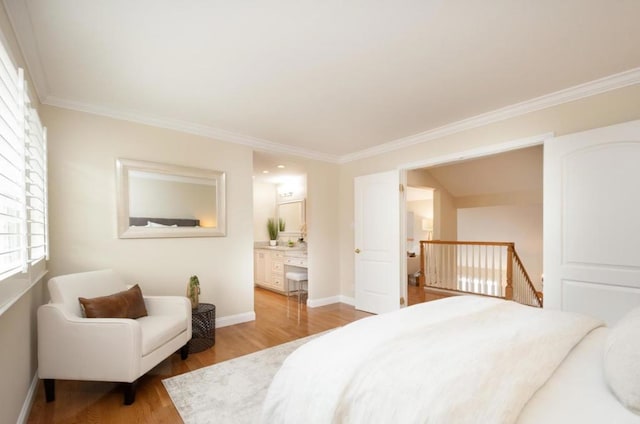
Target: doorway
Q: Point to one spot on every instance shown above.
(279, 222)
(495, 196)
(419, 226)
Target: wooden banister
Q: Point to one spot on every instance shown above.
(508, 293)
(479, 267)
(537, 294)
(421, 279)
(470, 243)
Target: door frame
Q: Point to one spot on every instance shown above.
(473, 153)
(478, 152)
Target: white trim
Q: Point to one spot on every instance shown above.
(28, 401)
(190, 128)
(591, 88)
(20, 19)
(6, 306)
(235, 319)
(599, 86)
(5, 43)
(479, 151)
(314, 303)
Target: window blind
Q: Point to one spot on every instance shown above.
(12, 169)
(23, 175)
(36, 186)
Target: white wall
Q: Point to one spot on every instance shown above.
(323, 232)
(421, 209)
(264, 207)
(82, 211)
(445, 217)
(444, 208)
(521, 224)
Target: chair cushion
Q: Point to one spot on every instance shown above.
(66, 289)
(159, 329)
(296, 276)
(124, 304)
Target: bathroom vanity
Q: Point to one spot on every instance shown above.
(271, 264)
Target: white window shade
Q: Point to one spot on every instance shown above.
(23, 187)
(36, 187)
(12, 170)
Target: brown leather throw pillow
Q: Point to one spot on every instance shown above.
(125, 304)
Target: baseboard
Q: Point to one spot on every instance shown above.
(28, 401)
(235, 319)
(314, 303)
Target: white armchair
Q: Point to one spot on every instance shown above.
(71, 347)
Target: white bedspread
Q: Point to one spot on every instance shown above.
(462, 360)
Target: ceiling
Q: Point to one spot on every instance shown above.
(327, 80)
(275, 169)
(515, 171)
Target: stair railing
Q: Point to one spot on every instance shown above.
(523, 289)
(484, 268)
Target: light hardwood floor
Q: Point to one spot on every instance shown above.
(418, 295)
(97, 402)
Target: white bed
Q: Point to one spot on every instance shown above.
(462, 359)
(577, 392)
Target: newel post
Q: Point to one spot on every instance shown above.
(421, 277)
(508, 293)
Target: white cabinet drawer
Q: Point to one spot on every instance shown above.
(277, 266)
(301, 262)
(277, 281)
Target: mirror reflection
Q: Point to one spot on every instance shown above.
(162, 200)
(293, 214)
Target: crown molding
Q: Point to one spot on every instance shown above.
(599, 86)
(191, 128)
(20, 19)
(577, 92)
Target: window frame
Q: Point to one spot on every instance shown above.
(24, 223)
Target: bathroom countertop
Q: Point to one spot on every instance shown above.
(297, 247)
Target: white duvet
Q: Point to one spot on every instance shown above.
(458, 360)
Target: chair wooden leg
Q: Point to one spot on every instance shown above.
(50, 389)
(130, 392)
(184, 351)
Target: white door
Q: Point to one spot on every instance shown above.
(591, 221)
(377, 242)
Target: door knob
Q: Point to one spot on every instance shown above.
(357, 250)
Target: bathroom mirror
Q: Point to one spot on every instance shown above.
(163, 200)
(293, 214)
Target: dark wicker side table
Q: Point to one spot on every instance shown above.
(203, 334)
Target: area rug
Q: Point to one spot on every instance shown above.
(231, 391)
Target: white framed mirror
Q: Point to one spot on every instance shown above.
(293, 214)
(157, 200)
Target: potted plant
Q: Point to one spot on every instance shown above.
(272, 228)
(193, 291)
(281, 224)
